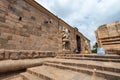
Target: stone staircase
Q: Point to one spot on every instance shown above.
(53, 73)
(109, 71)
(14, 78)
(29, 76)
(74, 69)
(94, 57)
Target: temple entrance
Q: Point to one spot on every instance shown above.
(78, 41)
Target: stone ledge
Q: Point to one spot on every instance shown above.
(14, 65)
(24, 54)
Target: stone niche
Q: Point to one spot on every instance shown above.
(65, 38)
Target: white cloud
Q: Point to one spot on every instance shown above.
(63, 2)
(87, 15)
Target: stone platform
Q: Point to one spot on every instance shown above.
(70, 69)
(93, 57)
(54, 73)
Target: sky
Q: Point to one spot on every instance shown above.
(86, 15)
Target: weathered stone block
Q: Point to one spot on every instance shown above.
(33, 18)
(2, 15)
(25, 34)
(42, 54)
(14, 55)
(35, 54)
(23, 55)
(3, 41)
(9, 37)
(2, 19)
(7, 54)
(13, 16)
(2, 54)
(9, 46)
(4, 3)
(15, 10)
(12, 1)
(29, 55)
(11, 25)
(11, 8)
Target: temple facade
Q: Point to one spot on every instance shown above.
(108, 37)
(37, 45)
(26, 25)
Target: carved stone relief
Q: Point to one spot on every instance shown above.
(65, 38)
(65, 33)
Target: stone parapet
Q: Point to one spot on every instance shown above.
(24, 54)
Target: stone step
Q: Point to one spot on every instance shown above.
(105, 74)
(90, 56)
(54, 73)
(89, 66)
(94, 59)
(14, 65)
(29, 76)
(17, 78)
(14, 78)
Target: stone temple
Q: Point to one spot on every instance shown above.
(37, 45)
(108, 37)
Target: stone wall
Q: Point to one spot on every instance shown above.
(108, 36)
(24, 54)
(26, 25)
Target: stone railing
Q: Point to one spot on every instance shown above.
(24, 54)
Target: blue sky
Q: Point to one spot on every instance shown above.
(86, 15)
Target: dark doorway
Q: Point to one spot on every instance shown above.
(78, 40)
(67, 45)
